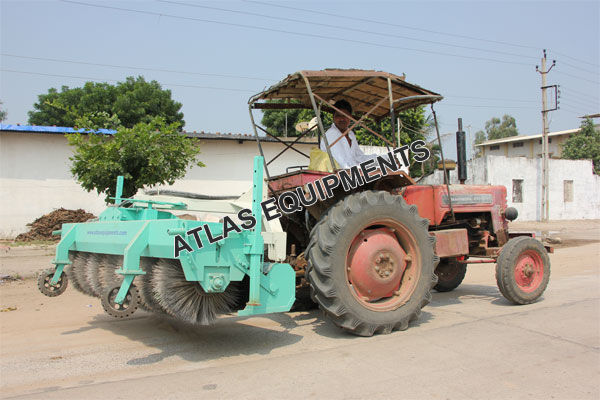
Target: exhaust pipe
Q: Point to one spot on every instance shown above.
(461, 153)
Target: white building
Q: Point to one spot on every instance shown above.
(574, 188)
(35, 175)
(525, 146)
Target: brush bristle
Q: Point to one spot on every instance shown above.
(106, 271)
(148, 300)
(91, 274)
(74, 270)
(186, 300)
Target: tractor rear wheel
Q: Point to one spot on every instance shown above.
(450, 275)
(523, 270)
(371, 263)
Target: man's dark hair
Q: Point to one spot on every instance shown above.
(343, 105)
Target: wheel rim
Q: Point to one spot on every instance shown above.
(48, 283)
(116, 306)
(529, 271)
(383, 265)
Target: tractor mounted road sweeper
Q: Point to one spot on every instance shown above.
(366, 244)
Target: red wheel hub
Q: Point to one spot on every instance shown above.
(377, 263)
(529, 271)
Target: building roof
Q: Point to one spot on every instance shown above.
(240, 137)
(521, 138)
(48, 129)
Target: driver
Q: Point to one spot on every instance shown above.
(346, 151)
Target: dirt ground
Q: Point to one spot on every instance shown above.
(469, 343)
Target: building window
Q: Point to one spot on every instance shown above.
(518, 144)
(495, 147)
(549, 140)
(568, 191)
(517, 191)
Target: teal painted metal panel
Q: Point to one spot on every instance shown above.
(137, 231)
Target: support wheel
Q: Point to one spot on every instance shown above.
(130, 304)
(523, 270)
(371, 263)
(450, 275)
(48, 289)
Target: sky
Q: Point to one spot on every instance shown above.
(480, 55)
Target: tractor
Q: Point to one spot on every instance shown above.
(366, 244)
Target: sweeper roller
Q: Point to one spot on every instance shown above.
(127, 258)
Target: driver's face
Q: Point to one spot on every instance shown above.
(341, 121)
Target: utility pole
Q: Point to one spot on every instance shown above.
(545, 173)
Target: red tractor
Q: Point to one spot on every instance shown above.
(371, 254)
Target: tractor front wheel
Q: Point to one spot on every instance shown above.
(523, 270)
(450, 275)
(371, 263)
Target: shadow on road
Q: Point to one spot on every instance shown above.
(470, 292)
(228, 337)
(232, 335)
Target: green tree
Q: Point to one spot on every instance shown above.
(584, 145)
(496, 128)
(413, 120)
(414, 126)
(3, 113)
(133, 101)
(147, 154)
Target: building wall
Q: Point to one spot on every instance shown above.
(495, 170)
(531, 148)
(35, 177)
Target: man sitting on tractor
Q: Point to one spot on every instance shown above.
(346, 151)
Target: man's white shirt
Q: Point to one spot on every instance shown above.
(345, 155)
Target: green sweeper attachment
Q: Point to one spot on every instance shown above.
(139, 254)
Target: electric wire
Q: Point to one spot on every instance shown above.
(579, 68)
(578, 77)
(575, 59)
(114, 80)
(579, 102)
(296, 33)
(578, 93)
(485, 106)
(390, 24)
(131, 67)
(212, 74)
(421, 30)
(345, 28)
(491, 98)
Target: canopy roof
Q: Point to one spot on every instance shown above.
(362, 88)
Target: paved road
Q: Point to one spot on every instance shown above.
(469, 343)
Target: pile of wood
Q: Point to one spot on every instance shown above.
(41, 228)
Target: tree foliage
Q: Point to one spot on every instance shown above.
(584, 145)
(133, 101)
(497, 128)
(413, 120)
(149, 153)
(414, 126)
(3, 112)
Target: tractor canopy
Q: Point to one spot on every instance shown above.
(366, 90)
